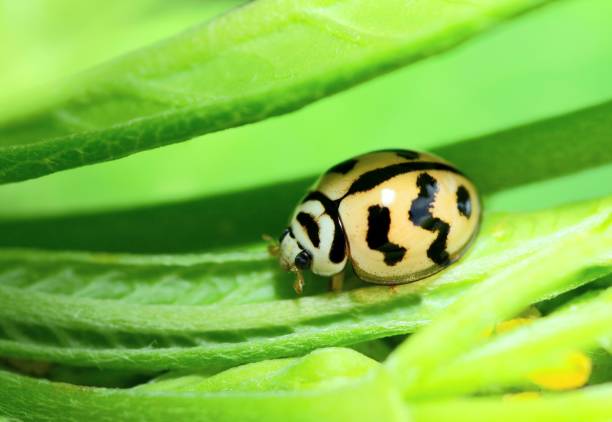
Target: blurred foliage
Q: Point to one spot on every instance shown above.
(44, 41)
(559, 61)
(239, 69)
(226, 222)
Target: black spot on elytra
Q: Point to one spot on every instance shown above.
(377, 237)
(311, 227)
(343, 167)
(337, 253)
(404, 153)
(420, 214)
(464, 202)
(373, 178)
(407, 154)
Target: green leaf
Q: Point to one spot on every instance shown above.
(218, 310)
(355, 391)
(504, 294)
(180, 88)
(407, 105)
(602, 366)
(49, 39)
(546, 148)
(322, 368)
(329, 384)
(590, 404)
(509, 359)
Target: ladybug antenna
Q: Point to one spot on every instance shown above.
(273, 245)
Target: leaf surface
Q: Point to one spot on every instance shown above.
(161, 312)
(503, 295)
(282, 55)
(509, 359)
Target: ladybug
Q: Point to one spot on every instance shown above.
(397, 215)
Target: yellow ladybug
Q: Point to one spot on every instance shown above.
(398, 215)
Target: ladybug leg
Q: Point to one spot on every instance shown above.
(336, 282)
(298, 284)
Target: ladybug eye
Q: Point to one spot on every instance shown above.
(303, 260)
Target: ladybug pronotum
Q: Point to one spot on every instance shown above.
(397, 215)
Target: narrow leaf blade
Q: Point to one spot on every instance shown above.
(283, 55)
